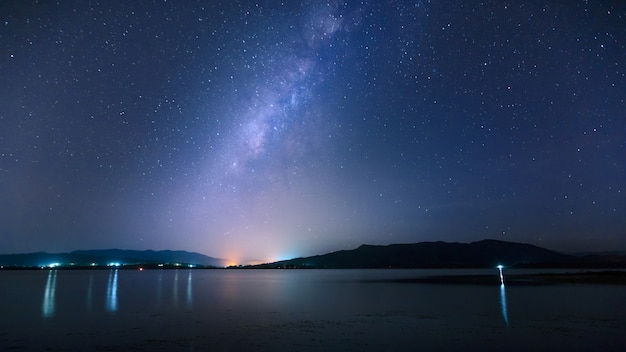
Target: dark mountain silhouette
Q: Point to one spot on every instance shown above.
(481, 254)
(107, 256)
(486, 253)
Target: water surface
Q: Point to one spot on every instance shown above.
(299, 310)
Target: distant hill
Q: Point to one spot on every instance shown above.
(107, 256)
(481, 254)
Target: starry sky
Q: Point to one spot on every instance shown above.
(259, 131)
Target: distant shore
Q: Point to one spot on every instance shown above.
(608, 277)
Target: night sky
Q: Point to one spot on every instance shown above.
(259, 131)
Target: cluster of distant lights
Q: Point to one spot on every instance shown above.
(160, 265)
(57, 265)
(112, 265)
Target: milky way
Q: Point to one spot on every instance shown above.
(261, 131)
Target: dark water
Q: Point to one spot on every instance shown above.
(288, 310)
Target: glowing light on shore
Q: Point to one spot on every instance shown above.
(231, 263)
(505, 315)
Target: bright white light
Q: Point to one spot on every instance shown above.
(53, 265)
(115, 264)
(501, 276)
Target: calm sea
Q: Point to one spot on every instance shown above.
(300, 310)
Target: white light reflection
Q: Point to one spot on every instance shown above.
(47, 307)
(501, 276)
(175, 288)
(111, 304)
(505, 315)
(89, 301)
(189, 289)
(160, 288)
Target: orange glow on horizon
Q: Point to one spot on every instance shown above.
(231, 263)
(236, 257)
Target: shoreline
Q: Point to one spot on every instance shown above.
(607, 277)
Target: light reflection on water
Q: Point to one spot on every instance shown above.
(48, 295)
(159, 297)
(102, 308)
(111, 301)
(315, 293)
(189, 290)
(505, 315)
(175, 288)
(108, 285)
(168, 287)
(89, 301)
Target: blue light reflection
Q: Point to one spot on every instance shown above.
(89, 301)
(175, 288)
(47, 307)
(111, 304)
(189, 290)
(505, 315)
